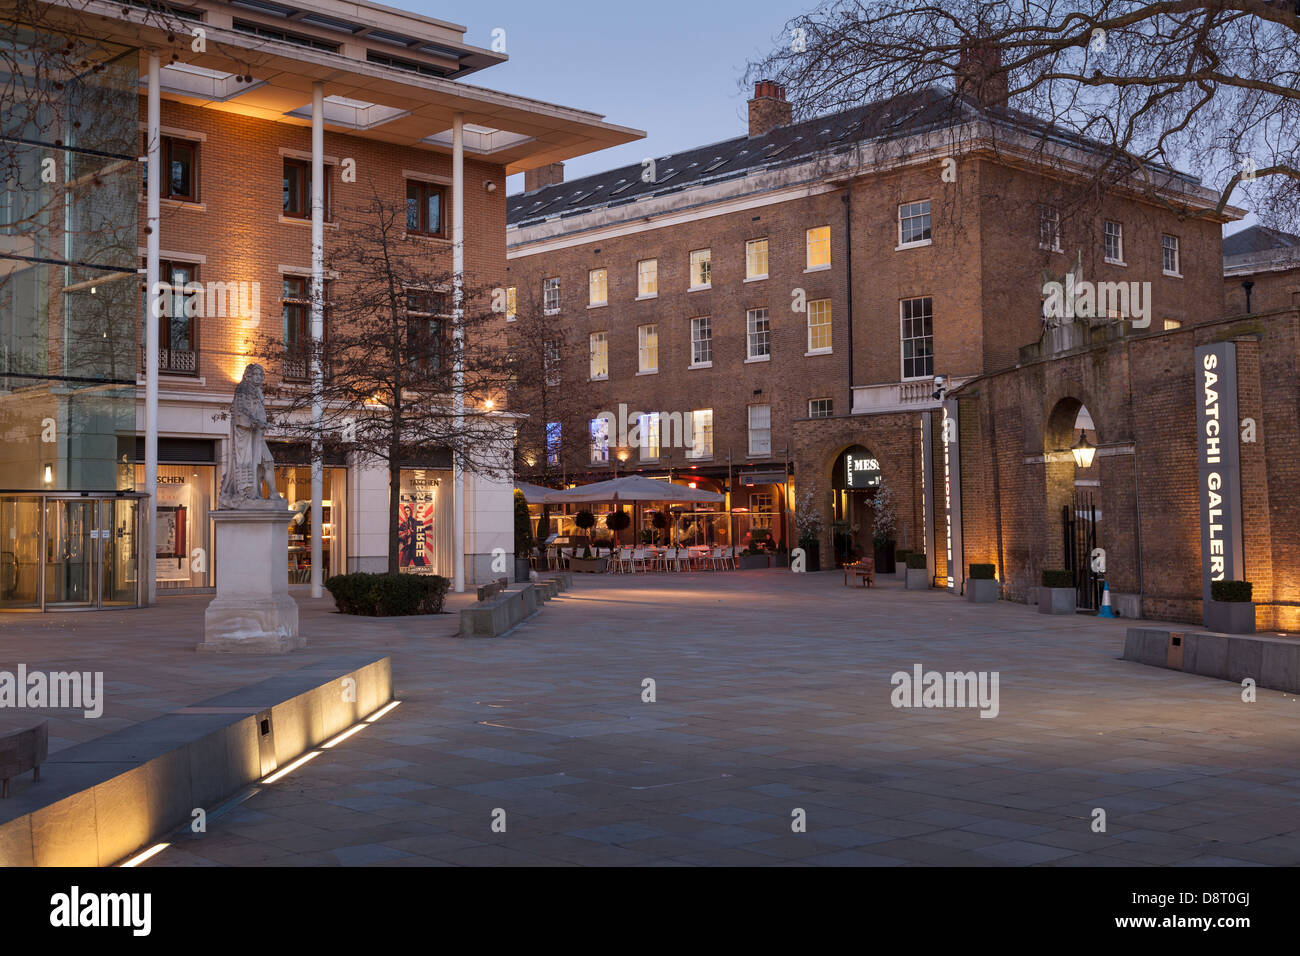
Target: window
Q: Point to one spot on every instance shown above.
(512, 302)
(1113, 242)
(819, 247)
(647, 348)
(551, 295)
(647, 278)
(819, 325)
(551, 362)
(762, 503)
(1169, 251)
(648, 425)
(701, 268)
(760, 430)
(701, 434)
(820, 408)
(296, 314)
(917, 319)
(297, 189)
(1049, 228)
(177, 329)
(1171, 324)
(600, 440)
(598, 287)
(180, 170)
(758, 334)
(756, 259)
(702, 340)
(553, 443)
(599, 349)
(426, 206)
(426, 314)
(914, 223)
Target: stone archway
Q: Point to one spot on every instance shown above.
(1071, 491)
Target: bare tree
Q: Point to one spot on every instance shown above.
(389, 358)
(1209, 86)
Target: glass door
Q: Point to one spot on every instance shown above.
(119, 519)
(20, 553)
(71, 545)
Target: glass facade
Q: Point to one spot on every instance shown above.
(294, 482)
(69, 301)
(183, 553)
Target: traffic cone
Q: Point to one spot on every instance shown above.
(1106, 609)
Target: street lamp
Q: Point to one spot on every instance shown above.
(1083, 451)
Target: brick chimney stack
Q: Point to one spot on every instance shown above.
(547, 175)
(768, 109)
(980, 74)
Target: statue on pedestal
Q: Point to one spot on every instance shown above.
(249, 463)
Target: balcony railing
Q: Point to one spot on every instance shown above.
(914, 396)
(177, 361)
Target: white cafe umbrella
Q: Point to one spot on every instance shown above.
(635, 488)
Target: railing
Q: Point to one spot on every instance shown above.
(913, 396)
(178, 361)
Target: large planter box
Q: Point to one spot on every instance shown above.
(588, 565)
(812, 556)
(1230, 617)
(1056, 600)
(900, 570)
(521, 570)
(918, 579)
(749, 561)
(981, 590)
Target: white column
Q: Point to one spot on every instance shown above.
(153, 144)
(317, 323)
(458, 339)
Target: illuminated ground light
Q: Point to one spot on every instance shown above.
(148, 854)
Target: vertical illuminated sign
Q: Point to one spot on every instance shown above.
(952, 495)
(1219, 458)
(927, 489)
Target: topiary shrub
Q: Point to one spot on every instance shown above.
(983, 572)
(1236, 592)
(523, 525)
(1056, 578)
(618, 520)
(388, 595)
(916, 560)
(585, 520)
(900, 556)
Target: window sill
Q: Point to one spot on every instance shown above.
(818, 352)
(1116, 262)
(758, 358)
(1044, 248)
(758, 455)
(644, 298)
(184, 204)
(700, 288)
(598, 378)
(652, 371)
(824, 268)
(175, 378)
(551, 312)
(597, 305)
(913, 245)
(295, 221)
(701, 458)
(421, 237)
(1171, 275)
(762, 278)
(700, 365)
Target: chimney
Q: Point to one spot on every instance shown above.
(547, 175)
(768, 109)
(980, 74)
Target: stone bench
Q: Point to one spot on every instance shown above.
(1272, 662)
(21, 751)
(492, 589)
(495, 616)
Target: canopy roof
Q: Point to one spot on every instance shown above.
(539, 495)
(634, 488)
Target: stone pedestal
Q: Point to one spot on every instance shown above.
(252, 612)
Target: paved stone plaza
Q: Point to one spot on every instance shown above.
(773, 693)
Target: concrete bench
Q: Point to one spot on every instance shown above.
(495, 616)
(21, 751)
(1272, 662)
(492, 589)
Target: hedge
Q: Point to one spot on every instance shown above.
(916, 560)
(900, 555)
(1058, 579)
(983, 572)
(388, 595)
(1238, 592)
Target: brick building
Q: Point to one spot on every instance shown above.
(1261, 270)
(854, 259)
(240, 88)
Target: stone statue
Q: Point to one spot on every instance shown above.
(248, 461)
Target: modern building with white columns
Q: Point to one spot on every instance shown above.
(242, 107)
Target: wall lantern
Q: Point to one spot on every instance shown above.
(1083, 451)
(49, 475)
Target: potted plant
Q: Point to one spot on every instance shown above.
(523, 536)
(918, 576)
(982, 584)
(1056, 594)
(587, 563)
(900, 564)
(617, 521)
(886, 523)
(757, 555)
(1230, 609)
(808, 525)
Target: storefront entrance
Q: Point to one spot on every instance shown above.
(69, 551)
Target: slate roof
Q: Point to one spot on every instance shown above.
(1258, 239)
(904, 115)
